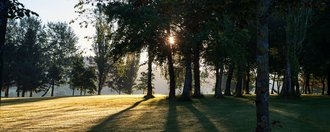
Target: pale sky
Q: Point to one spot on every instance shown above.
(62, 11)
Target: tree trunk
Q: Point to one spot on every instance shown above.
(216, 69)
(278, 84)
(73, 92)
(323, 86)
(4, 4)
(7, 92)
(306, 82)
(229, 78)
(238, 91)
(31, 92)
(84, 92)
(218, 93)
(81, 90)
(171, 74)
(297, 85)
(17, 91)
(328, 82)
(256, 84)
(99, 87)
(197, 90)
(262, 67)
(53, 87)
(273, 84)
(149, 88)
(247, 82)
(288, 83)
(188, 79)
(23, 92)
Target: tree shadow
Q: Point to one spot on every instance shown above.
(104, 124)
(171, 122)
(202, 119)
(18, 101)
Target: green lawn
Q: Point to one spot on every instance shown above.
(132, 113)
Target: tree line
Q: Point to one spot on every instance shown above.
(39, 58)
(222, 36)
(285, 39)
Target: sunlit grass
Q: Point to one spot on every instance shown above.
(133, 113)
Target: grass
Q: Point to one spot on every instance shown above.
(133, 113)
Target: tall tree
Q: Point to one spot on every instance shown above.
(9, 9)
(123, 74)
(102, 48)
(82, 77)
(297, 20)
(29, 66)
(60, 48)
(262, 67)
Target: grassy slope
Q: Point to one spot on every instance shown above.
(132, 113)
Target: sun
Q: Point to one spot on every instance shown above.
(171, 40)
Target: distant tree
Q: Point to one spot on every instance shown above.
(8, 55)
(315, 56)
(102, 48)
(82, 77)
(122, 76)
(30, 65)
(143, 82)
(60, 48)
(9, 9)
(297, 20)
(77, 73)
(89, 80)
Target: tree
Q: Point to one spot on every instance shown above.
(9, 9)
(140, 26)
(89, 80)
(143, 82)
(60, 48)
(82, 77)
(262, 67)
(29, 65)
(123, 74)
(102, 48)
(297, 20)
(9, 55)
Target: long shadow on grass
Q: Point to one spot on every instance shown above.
(171, 122)
(29, 100)
(203, 120)
(103, 124)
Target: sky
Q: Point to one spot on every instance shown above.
(62, 11)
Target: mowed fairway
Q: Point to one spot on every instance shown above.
(133, 113)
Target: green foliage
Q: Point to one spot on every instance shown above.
(59, 49)
(17, 10)
(82, 77)
(28, 64)
(102, 48)
(143, 82)
(123, 74)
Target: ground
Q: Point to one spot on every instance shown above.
(133, 113)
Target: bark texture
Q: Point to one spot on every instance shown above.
(218, 90)
(229, 78)
(262, 67)
(188, 79)
(171, 74)
(3, 27)
(197, 84)
(149, 88)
